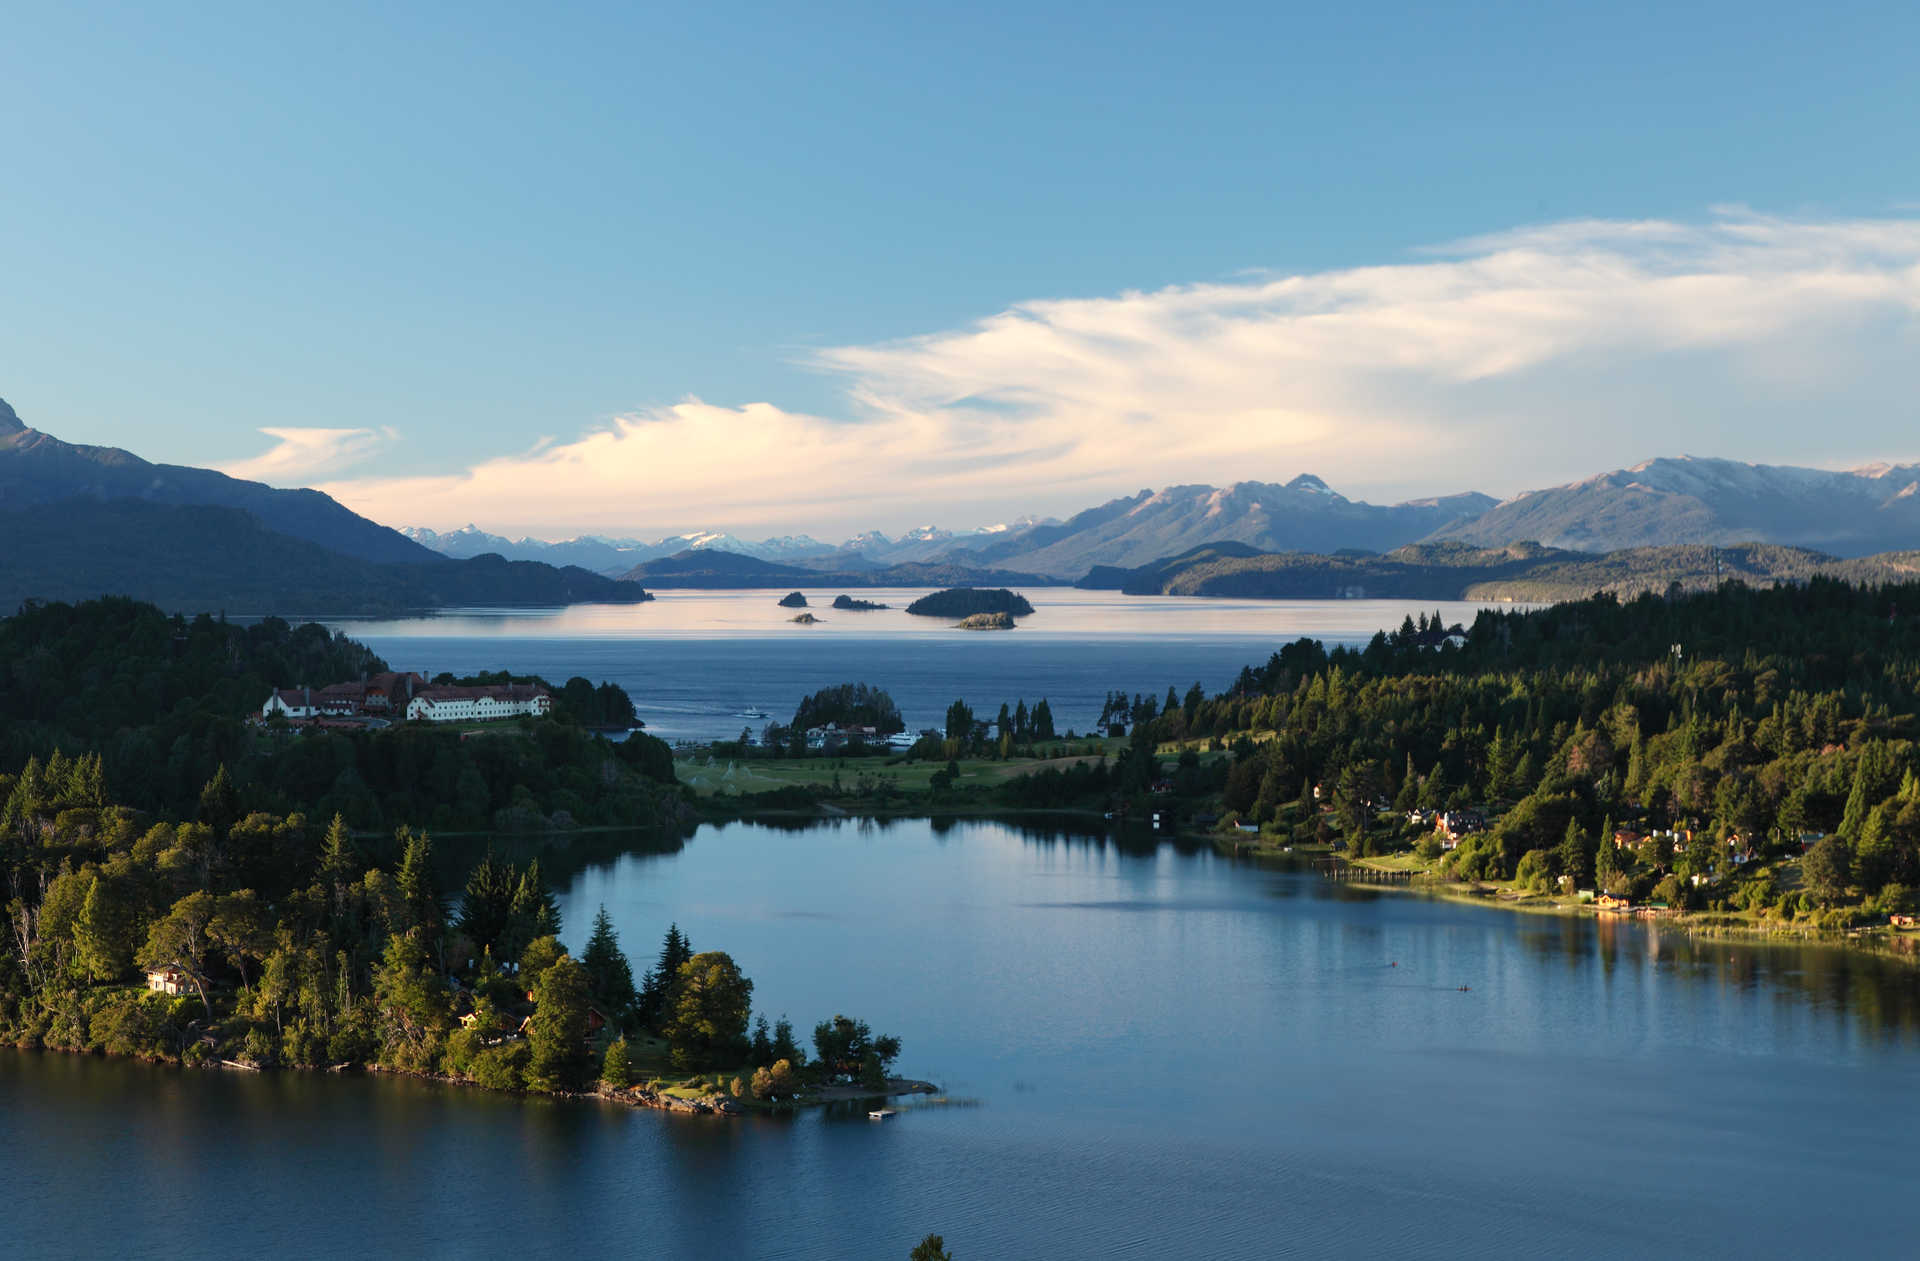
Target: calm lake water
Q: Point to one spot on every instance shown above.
(1157, 1052)
(696, 661)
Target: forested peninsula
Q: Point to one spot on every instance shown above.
(248, 921)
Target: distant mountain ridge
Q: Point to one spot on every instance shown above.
(37, 468)
(192, 558)
(1665, 502)
(609, 556)
(82, 521)
(1304, 514)
(711, 569)
(1460, 571)
(1659, 503)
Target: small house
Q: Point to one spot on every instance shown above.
(171, 980)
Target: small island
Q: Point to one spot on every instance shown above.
(848, 604)
(986, 621)
(793, 600)
(967, 601)
(805, 619)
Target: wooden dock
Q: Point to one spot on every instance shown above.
(1341, 869)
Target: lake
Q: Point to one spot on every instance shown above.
(1152, 1051)
(696, 661)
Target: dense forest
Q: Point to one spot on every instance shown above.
(266, 941)
(1749, 723)
(165, 701)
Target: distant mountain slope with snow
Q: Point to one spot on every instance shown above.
(1303, 515)
(1690, 500)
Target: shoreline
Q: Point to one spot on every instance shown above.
(1879, 942)
(1882, 944)
(638, 1097)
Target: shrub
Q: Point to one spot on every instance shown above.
(616, 1069)
(502, 1067)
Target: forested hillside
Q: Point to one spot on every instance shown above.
(164, 702)
(1524, 572)
(1773, 720)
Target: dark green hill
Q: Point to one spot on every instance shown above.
(202, 557)
(1458, 571)
(968, 601)
(39, 469)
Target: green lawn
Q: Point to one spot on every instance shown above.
(710, 776)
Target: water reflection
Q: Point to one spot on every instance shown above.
(1172, 1053)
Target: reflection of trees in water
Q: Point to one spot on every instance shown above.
(1873, 996)
(562, 855)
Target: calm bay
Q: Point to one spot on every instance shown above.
(1148, 1050)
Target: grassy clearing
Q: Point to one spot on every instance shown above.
(712, 776)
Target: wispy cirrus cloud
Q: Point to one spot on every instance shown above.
(299, 457)
(1500, 363)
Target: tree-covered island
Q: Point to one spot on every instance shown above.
(958, 602)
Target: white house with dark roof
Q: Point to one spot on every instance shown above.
(479, 704)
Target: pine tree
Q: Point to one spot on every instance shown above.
(219, 803)
(488, 904)
(415, 881)
(608, 972)
(785, 1046)
(536, 912)
(658, 987)
(1573, 853)
(1606, 859)
(97, 933)
(337, 857)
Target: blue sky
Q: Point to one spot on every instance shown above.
(448, 236)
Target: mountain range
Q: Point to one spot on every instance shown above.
(1661, 503)
(81, 521)
(714, 569)
(1690, 500)
(614, 557)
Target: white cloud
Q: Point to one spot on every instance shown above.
(1499, 363)
(299, 456)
